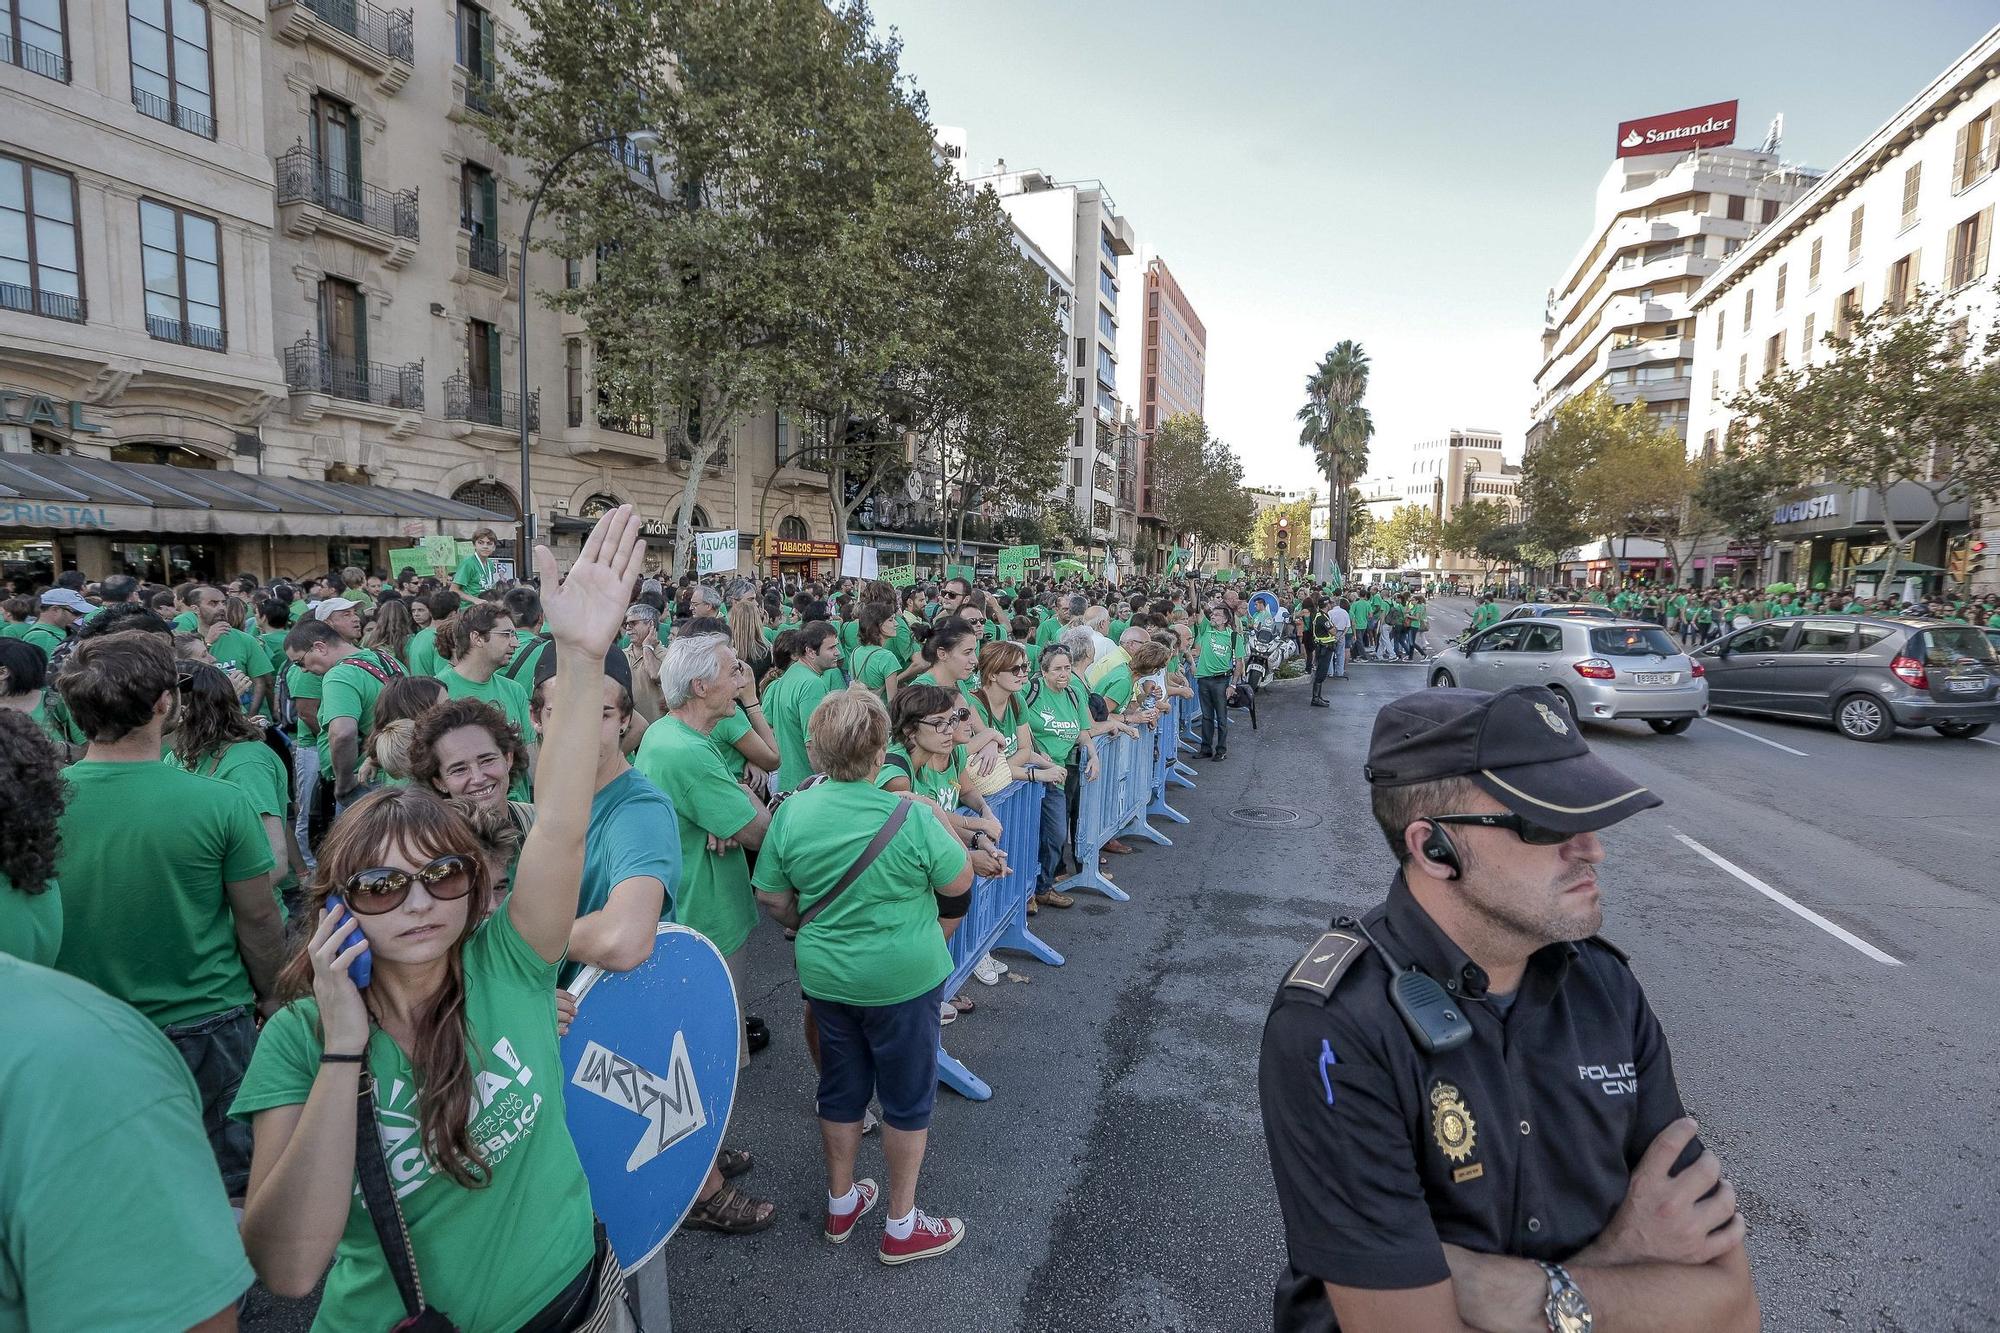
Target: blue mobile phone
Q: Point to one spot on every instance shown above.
(362, 969)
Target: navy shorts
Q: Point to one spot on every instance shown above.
(885, 1050)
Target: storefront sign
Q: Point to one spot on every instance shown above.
(20, 408)
(1696, 127)
(34, 513)
(1819, 506)
(782, 549)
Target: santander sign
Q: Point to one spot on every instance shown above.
(1677, 131)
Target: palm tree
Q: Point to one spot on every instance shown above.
(1337, 428)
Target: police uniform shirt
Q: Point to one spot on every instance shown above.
(1520, 1142)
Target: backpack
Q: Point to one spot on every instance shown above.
(384, 669)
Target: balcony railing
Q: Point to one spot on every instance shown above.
(478, 93)
(487, 255)
(186, 118)
(466, 401)
(33, 59)
(52, 305)
(719, 459)
(385, 30)
(310, 368)
(302, 179)
(190, 335)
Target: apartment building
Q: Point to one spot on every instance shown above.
(258, 305)
(1913, 206)
(1172, 377)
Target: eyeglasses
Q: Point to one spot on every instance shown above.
(383, 888)
(948, 720)
(1535, 835)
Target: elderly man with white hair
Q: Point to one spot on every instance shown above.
(706, 601)
(717, 818)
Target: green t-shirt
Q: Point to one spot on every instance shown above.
(1008, 724)
(145, 917)
(254, 769)
(878, 943)
(491, 1257)
(1359, 613)
(187, 622)
(788, 705)
(303, 684)
(420, 654)
(235, 647)
(1486, 614)
(1057, 719)
(274, 646)
(31, 925)
(873, 665)
(521, 667)
(95, 1094)
(48, 638)
(14, 630)
(299, 609)
(1118, 628)
(348, 690)
(714, 894)
(508, 696)
(1216, 650)
(940, 784)
(473, 575)
(727, 732)
(1116, 686)
(1048, 632)
(905, 643)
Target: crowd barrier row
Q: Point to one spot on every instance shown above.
(1134, 774)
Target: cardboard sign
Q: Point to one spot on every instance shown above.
(715, 552)
(859, 562)
(901, 576)
(966, 572)
(442, 552)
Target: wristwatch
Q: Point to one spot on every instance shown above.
(1566, 1310)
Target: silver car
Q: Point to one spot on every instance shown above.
(1601, 670)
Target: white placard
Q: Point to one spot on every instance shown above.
(859, 562)
(715, 552)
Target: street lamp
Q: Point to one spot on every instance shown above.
(645, 141)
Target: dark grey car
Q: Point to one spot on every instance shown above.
(1867, 675)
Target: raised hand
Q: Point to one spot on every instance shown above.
(585, 608)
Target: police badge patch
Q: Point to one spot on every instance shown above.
(1451, 1124)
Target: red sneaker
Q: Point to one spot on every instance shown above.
(839, 1226)
(930, 1237)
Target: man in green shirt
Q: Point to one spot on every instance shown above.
(166, 880)
(790, 701)
(60, 609)
(351, 679)
(1485, 614)
(231, 647)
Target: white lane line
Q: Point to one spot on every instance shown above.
(1982, 740)
(1761, 740)
(1844, 936)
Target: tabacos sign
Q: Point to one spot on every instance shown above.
(1677, 131)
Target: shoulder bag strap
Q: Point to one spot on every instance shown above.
(384, 1212)
(513, 668)
(874, 849)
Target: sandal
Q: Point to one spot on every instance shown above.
(963, 1003)
(732, 1212)
(1054, 899)
(733, 1162)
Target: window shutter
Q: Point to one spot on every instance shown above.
(489, 204)
(1982, 243)
(1958, 158)
(1913, 276)
(1951, 260)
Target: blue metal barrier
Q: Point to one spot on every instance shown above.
(998, 915)
(1166, 741)
(1179, 774)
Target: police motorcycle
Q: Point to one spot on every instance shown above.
(1271, 646)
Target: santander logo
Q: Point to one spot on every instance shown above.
(1632, 140)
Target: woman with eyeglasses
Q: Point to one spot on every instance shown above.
(451, 1047)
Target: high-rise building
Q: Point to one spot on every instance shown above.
(1172, 378)
(1913, 206)
(1450, 472)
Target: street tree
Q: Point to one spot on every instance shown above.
(1337, 428)
(1410, 532)
(1730, 497)
(1602, 469)
(779, 248)
(1904, 399)
(1470, 524)
(1198, 485)
(1499, 546)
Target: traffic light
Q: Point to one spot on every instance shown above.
(1966, 560)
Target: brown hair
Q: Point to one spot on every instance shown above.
(914, 703)
(847, 733)
(449, 717)
(1004, 655)
(454, 637)
(402, 702)
(425, 826)
(1147, 658)
(111, 684)
(391, 629)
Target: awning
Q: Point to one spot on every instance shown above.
(67, 493)
(1902, 567)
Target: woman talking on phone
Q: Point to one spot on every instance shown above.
(451, 1047)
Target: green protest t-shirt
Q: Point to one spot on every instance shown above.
(48, 638)
(510, 697)
(940, 784)
(1048, 631)
(904, 645)
(1116, 686)
(420, 654)
(274, 646)
(727, 732)
(1008, 724)
(473, 575)
(873, 665)
(1215, 650)
(303, 684)
(31, 924)
(1057, 719)
(17, 629)
(714, 893)
(187, 622)
(94, 1093)
(254, 769)
(879, 943)
(145, 917)
(490, 1257)
(235, 648)
(348, 690)
(788, 706)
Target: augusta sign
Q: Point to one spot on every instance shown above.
(1696, 127)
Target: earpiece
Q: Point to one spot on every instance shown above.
(1438, 847)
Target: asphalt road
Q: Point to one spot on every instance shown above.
(1117, 1179)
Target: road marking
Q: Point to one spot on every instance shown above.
(1982, 740)
(1759, 739)
(1844, 936)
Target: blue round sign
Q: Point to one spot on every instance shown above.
(649, 1071)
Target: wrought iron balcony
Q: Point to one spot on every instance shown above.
(310, 368)
(51, 305)
(33, 59)
(465, 401)
(487, 255)
(719, 460)
(304, 179)
(186, 118)
(478, 93)
(191, 335)
(386, 31)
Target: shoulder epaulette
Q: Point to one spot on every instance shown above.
(1322, 966)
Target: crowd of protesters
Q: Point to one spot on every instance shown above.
(222, 806)
(1700, 615)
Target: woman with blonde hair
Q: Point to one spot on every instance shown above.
(398, 708)
(746, 636)
(451, 1045)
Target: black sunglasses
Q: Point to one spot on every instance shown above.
(1535, 835)
(381, 889)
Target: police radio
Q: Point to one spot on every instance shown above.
(1434, 1019)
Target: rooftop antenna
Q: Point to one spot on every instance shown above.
(1774, 138)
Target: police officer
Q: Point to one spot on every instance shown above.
(1496, 1141)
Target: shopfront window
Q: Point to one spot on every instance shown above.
(339, 555)
(167, 562)
(26, 562)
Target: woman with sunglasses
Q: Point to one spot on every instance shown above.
(452, 1045)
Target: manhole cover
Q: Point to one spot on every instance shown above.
(1264, 814)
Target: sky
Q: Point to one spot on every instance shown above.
(1414, 177)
